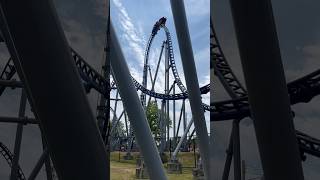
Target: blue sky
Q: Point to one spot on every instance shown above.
(133, 22)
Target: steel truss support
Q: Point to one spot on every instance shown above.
(267, 91)
(59, 101)
(189, 68)
(135, 110)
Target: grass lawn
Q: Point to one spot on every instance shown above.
(125, 170)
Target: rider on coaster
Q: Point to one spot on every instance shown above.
(156, 27)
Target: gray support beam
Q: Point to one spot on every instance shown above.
(59, 100)
(11, 83)
(22, 120)
(243, 170)
(184, 120)
(182, 139)
(116, 103)
(47, 162)
(267, 91)
(158, 64)
(106, 124)
(17, 144)
(211, 138)
(236, 150)
(135, 111)
(115, 123)
(184, 115)
(103, 109)
(39, 165)
(227, 165)
(151, 79)
(131, 138)
(167, 91)
(179, 122)
(189, 68)
(162, 127)
(126, 124)
(174, 115)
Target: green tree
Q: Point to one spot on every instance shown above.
(153, 115)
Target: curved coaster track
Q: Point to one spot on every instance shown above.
(301, 90)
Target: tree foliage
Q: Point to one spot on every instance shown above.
(153, 116)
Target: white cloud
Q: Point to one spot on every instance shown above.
(197, 7)
(130, 34)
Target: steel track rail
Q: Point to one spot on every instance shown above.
(155, 30)
(6, 153)
(300, 90)
(222, 69)
(7, 73)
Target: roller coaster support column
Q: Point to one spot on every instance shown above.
(227, 165)
(174, 115)
(174, 166)
(17, 145)
(126, 124)
(135, 110)
(267, 90)
(162, 127)
(35, 171)
(184, 121)
(236, 149)
(167, 67)
(189, 68)
(47, 163)
(104, 104)
(42, 58)
(103, 114)
(211, 145)
(158, 64)
(182, 139)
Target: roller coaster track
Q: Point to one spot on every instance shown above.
(5, 152)
(300, 90)
(174, 70)
(96, 81)
(172, 61)
(90, 75)
(7, 73)
(223, 70)
(308, 144)
(92, 79)
(158, 25)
